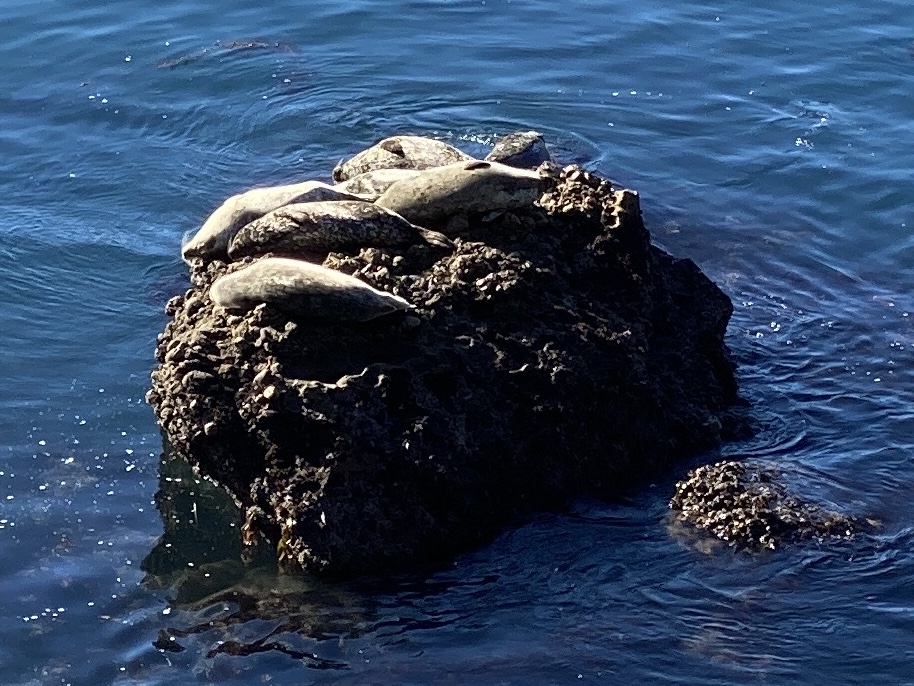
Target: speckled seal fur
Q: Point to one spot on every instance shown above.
(371, 184)
(400, 152)
(211, 242)
(305, 290)
(524, 149)
(465, 187)
(322, 227)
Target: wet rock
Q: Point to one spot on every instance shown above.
(749, 506)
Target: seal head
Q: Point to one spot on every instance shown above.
(524, 149)
(211, 242)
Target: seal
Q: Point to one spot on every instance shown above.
(310, 228)
(524, 149)
(211, 242)
(400, 152)
(304, 290)
(372, 184)
(465, 187)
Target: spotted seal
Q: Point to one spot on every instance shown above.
(524, 149)
(305, 290)
(465, 187)
(372, 184)
(400, 152)
(321, 227)
(211, 242)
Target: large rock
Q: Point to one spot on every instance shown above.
(553, 352)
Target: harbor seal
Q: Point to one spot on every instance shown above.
(400, 152)
(211, 242)
(304, 290)
(524, 149)
(322, 227)
(372, 184)
(465, 187)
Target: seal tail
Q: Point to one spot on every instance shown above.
(435, 238)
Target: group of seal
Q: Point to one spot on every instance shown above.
(213, 238)
(396, 193)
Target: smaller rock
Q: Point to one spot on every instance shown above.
(748, 506)
(167, 643)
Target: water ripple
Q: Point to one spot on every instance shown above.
(772, 154)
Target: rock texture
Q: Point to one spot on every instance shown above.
(552, 352)
(748, 506)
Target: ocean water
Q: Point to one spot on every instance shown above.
(772, 145)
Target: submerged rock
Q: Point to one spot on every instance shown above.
(553, 352)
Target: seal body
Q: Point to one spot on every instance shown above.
(211, 242)
(524, 149)
(322, 227)
(465, 187)
(370, 185)
(400, 152)
(305, 290)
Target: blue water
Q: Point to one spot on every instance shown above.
(773, 146)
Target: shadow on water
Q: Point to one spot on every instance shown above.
(227, 598)
(602, 590)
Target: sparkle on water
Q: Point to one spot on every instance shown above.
(769, 144)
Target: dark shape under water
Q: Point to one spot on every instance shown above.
(225, 49)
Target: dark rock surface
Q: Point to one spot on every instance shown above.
(749, 506)
(553, 352)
